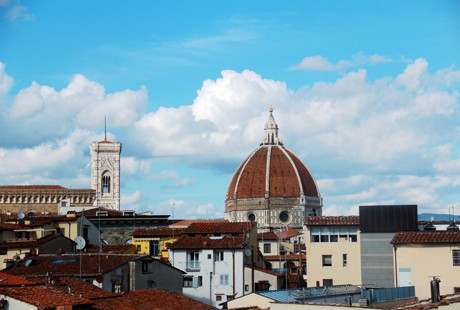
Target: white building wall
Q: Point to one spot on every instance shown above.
(219, 279)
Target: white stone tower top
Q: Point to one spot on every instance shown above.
(271, 131)
(105, 173)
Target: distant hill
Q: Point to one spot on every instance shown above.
(437, 217)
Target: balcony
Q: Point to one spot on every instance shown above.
(193, 265)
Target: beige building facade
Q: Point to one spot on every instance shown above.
(333, 250)
(420, 256)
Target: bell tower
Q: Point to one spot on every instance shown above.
(105, 173)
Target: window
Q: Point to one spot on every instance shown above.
(345, 260)
(224, 279)
(86, 232)
(456, 257)
(267, 247)
(334, 234)
(327, 282)
(188, 281)
(145, 266)
(154, 248)
(327, 260)
(193, 260)
(219, 256)
(106, 183)
(251, 217)
(284, 216)
(219, 297)
(138, 247)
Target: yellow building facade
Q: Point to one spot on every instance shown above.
(333, 250)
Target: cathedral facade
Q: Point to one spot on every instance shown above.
(272, 186)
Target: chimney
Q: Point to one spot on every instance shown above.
(435, 293)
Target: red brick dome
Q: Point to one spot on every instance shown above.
(272, 186)
(272, 170)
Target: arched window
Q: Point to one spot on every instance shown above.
(105, 182)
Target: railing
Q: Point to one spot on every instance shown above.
(193, 265)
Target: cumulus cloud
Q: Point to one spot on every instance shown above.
(388, 140)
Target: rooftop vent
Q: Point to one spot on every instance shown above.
(452, 227)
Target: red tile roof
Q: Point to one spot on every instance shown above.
(32, 187)
(93, 212)
(273, 273)
(200, 242)
(290, 257)
(186, 223)
(165, 300)
(10, 280)
(111, 248)
(281, 234)
(219, 228)
(28, 243)
(332, 220)
(426, 237)
(158, 232)
(77, 286)
(43, 297)
(69, 264)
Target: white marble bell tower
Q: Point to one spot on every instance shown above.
(105, 173)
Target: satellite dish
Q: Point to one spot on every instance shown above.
(28, 262)
(247, 252)
(80, 241)
(21, 215)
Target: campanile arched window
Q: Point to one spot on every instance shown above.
(105, 182)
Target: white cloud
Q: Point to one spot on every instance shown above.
(320, 63)
(366, 141)
(6, 82)
(19, 12)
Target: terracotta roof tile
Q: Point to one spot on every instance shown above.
(111, 248)
(268, 235)
(69, 264)
(200, 242)
(332, 220)
(21, 243)
(11, 280)
(186, 223)
(77, 286)
(219, 228)
(290, 257)
(165, 300)
(157, 232)
(426, 237)
(43, 297)
(32, 187)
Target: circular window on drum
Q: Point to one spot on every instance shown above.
(284, 216)
(251, 217)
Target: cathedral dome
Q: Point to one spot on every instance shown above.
(272, 178)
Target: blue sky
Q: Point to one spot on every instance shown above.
(365, 92)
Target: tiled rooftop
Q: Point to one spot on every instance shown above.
(157, 232)
(32, 187)
(281, 234)
(332, 220)
(27, 243)
(426, 237)
(200, 242)
(111, 248)
(186, 223)
(290, 257)
(69, 264)
(43, 297)
(219, 228)
(11, 280)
